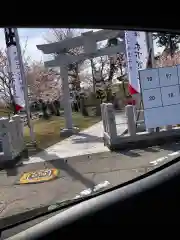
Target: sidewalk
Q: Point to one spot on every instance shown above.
(88, 141)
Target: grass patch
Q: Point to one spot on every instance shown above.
(4, 112)
(48, 131)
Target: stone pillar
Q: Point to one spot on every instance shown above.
(112, 131)
(103, 116)
(69, 129)
(168, 127)
(19, 133)
(89, 42)
(130, 120)
(6, 139)
(14, 139)
(66, 98)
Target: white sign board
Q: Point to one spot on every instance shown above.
(160, 88)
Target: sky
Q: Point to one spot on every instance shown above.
(33, 37)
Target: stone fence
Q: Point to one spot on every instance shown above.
(136, 135)
(109, 122)
(11, 137)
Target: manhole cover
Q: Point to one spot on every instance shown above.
(39, 176)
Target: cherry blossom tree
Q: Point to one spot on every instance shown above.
(169, 41)
(165, 59)
(43, 83)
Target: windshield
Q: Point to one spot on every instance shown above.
(92, 111)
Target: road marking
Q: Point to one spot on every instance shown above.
(174, 153)
(161, 159)
(96, 188)
(155, 162)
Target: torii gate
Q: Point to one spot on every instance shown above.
(88, 40)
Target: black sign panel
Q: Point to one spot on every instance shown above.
(10, 37)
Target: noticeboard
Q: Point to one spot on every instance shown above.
(160, 89)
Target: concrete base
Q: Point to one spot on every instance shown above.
(69, 132)
(142, 139)
(141, 127)
(9, 163)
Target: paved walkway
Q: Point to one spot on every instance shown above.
(88, 141)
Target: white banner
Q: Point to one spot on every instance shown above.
(14, 68)
(137, 55)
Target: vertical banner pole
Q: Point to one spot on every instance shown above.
(17, 75)
(25, 86)
(151, 48)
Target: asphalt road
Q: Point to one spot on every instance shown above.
(76, 174)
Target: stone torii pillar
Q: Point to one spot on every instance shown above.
(66, 101)
(89, 47)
